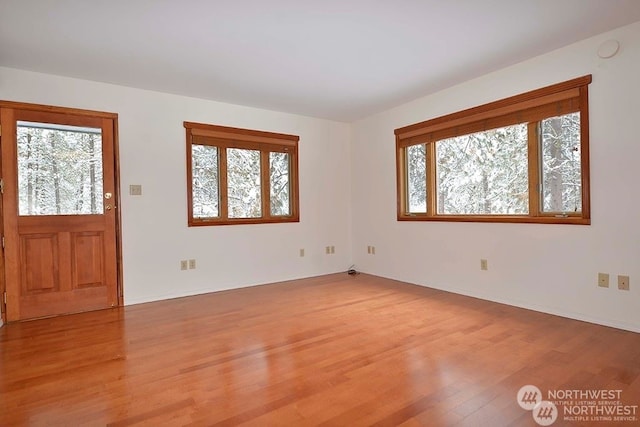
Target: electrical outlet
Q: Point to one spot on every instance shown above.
(623, 283)
(302, 252)
(484, 265)
(603, 280)
(183, 264)
(373, 250)
(192, 264)
(333, 250)
(369, 250)
(327, 250)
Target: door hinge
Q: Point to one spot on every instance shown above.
(1, 186)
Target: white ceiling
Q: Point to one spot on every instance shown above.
(335, 59)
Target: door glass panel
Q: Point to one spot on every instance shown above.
(59, 169)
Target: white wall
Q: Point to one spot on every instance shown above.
(551, 268)
(154, 225)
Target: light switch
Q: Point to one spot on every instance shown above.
(135, 190)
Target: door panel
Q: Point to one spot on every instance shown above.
(87, 257)
(38, 262)
(59, 212)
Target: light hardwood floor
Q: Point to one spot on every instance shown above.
(335, 350)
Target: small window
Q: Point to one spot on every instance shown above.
(561, 165)
(280, 186)
(520, 159)
(417, 178)
(205, 181)
(240, 176)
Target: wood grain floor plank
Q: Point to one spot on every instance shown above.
(333, 350)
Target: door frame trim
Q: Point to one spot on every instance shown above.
(117, 196)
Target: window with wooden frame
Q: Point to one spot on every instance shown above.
(240, 176)
(520, 159)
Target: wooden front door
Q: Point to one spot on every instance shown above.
(59, 210)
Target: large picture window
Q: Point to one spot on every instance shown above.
(520, 159)
(240, 176)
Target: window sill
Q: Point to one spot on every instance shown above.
(547, 219)
(208, 222)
